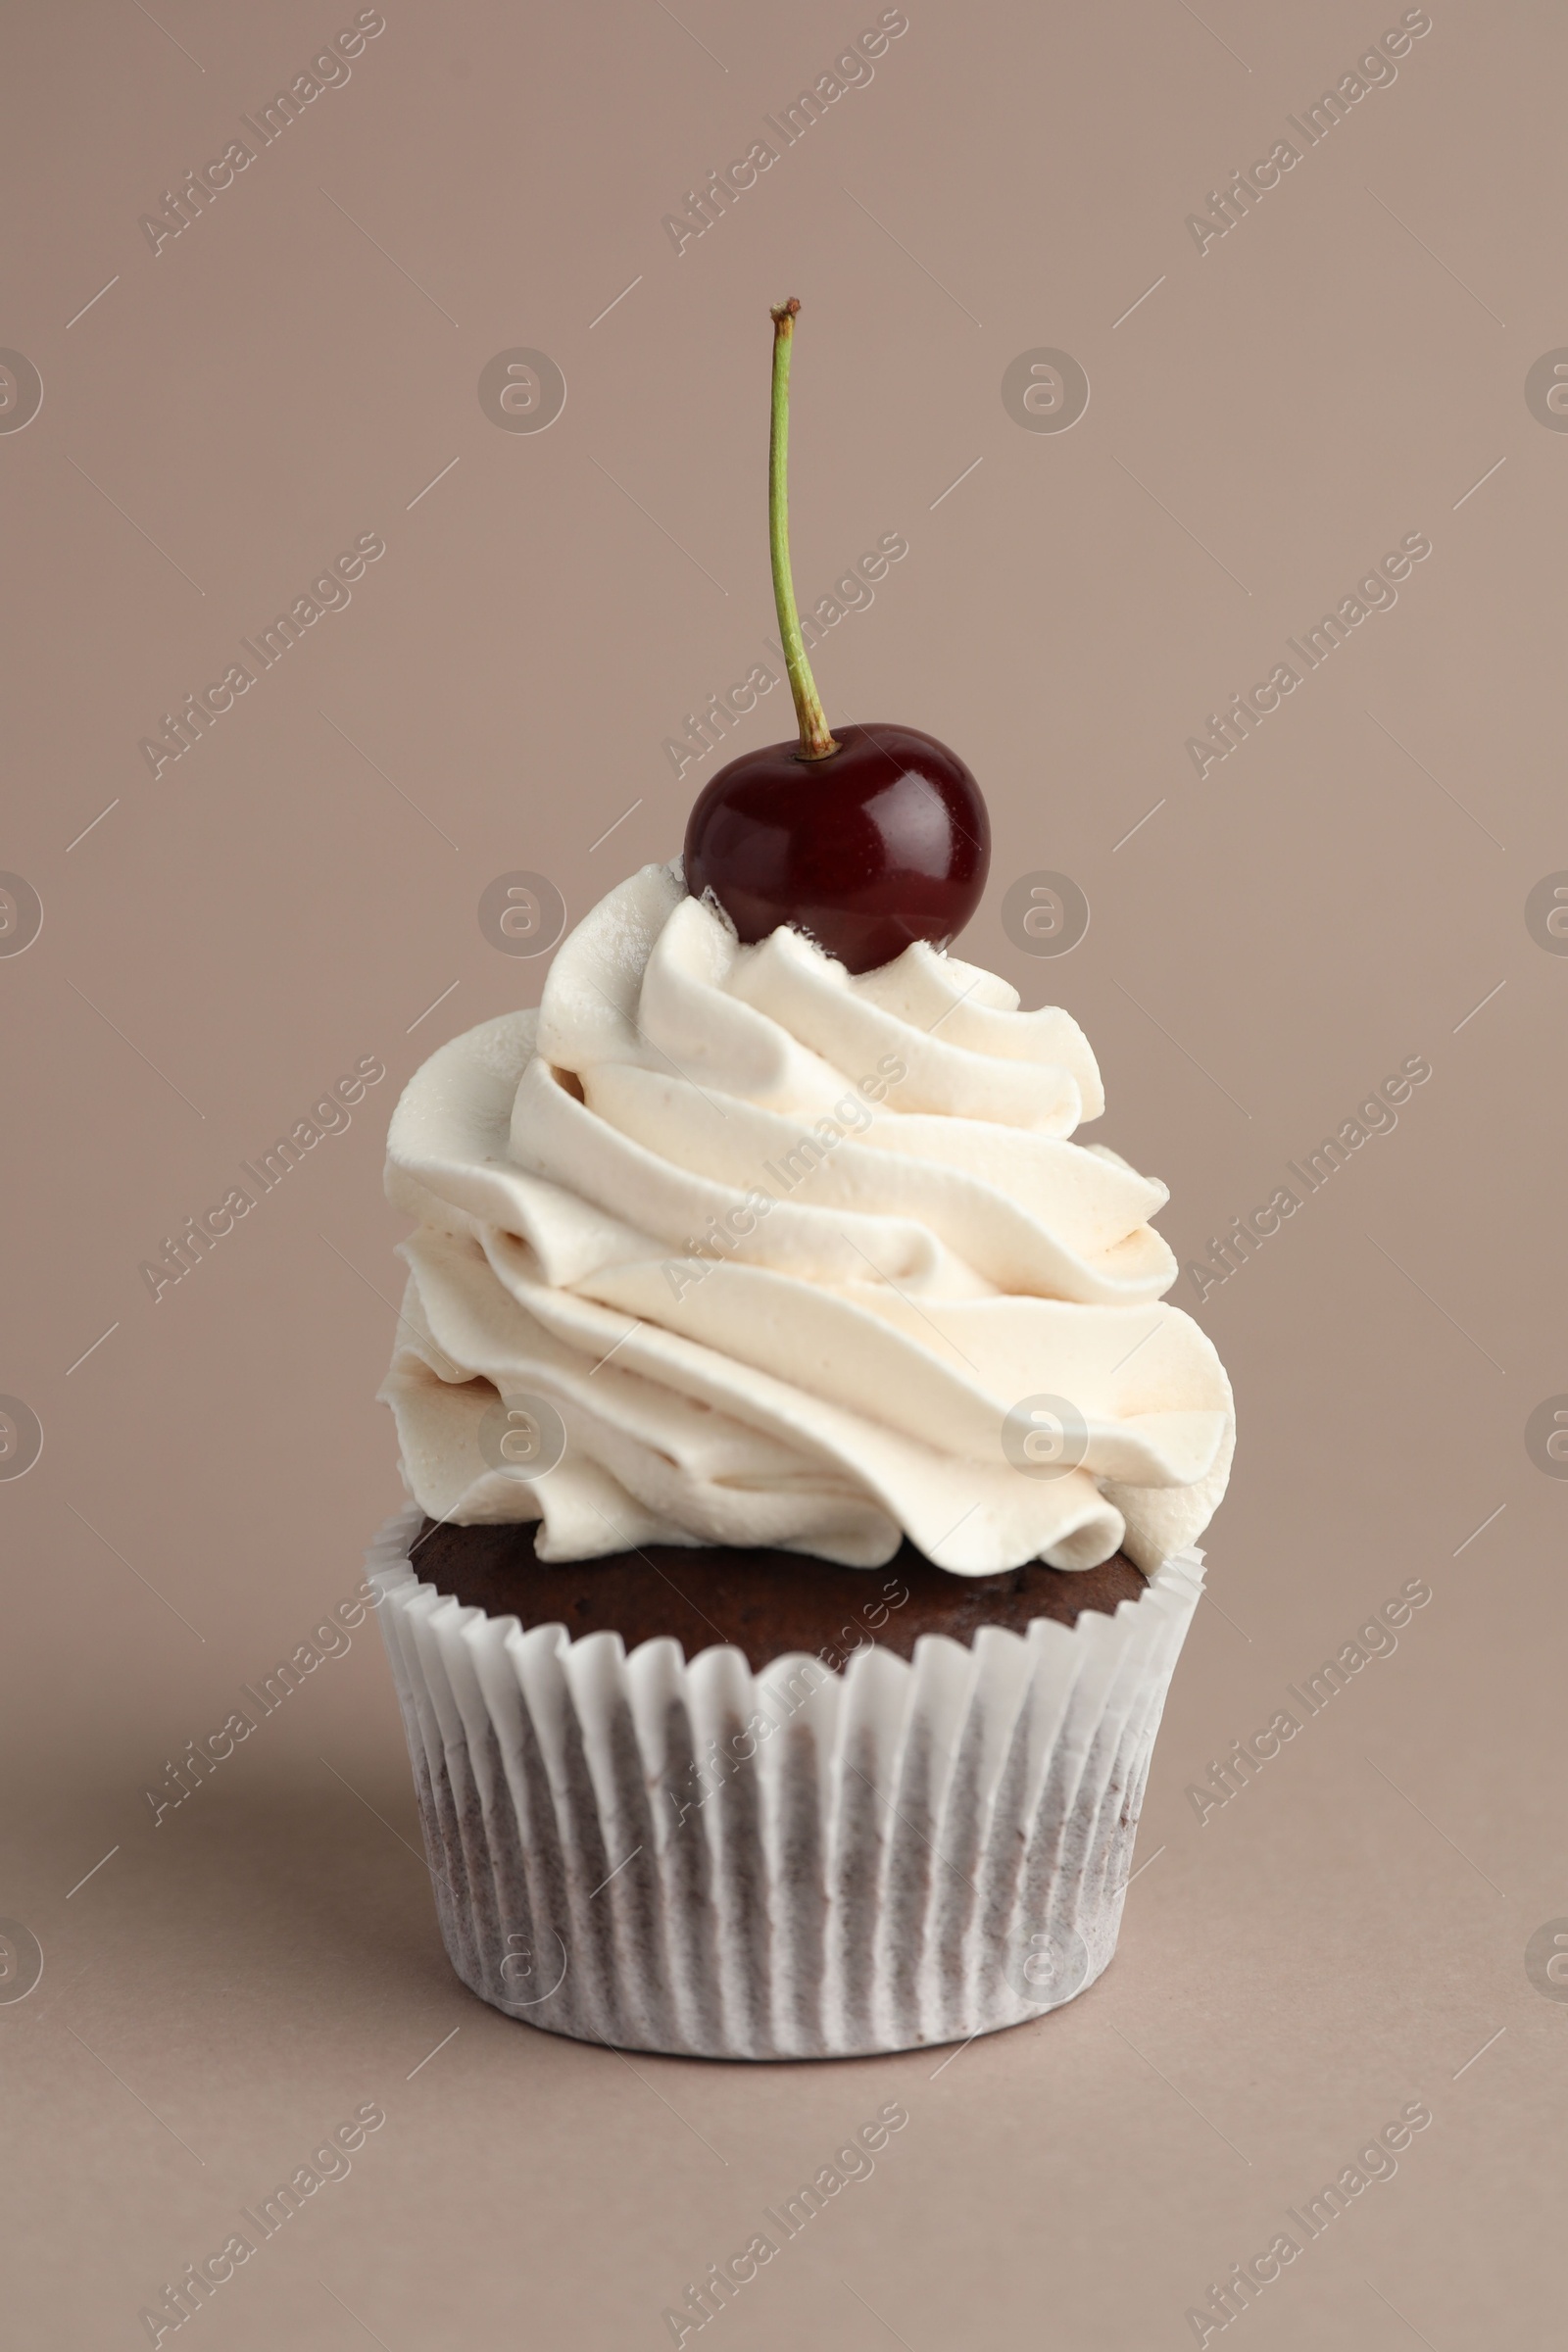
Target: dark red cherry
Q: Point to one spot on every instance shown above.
(868, 840)
(884, 840)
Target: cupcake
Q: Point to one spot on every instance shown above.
(805, 1468)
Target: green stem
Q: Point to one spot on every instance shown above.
(816, 743)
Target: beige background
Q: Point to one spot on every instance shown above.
(296, 368)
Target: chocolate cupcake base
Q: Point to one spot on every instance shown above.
(767, 1604)
(793, 1862)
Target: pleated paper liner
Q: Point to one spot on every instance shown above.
(695, 1859)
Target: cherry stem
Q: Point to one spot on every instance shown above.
(816, 743)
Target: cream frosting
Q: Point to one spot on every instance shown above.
(794, 1256)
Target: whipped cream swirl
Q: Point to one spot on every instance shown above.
(797, 1257)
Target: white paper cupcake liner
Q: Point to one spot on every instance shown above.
(695, 1859)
